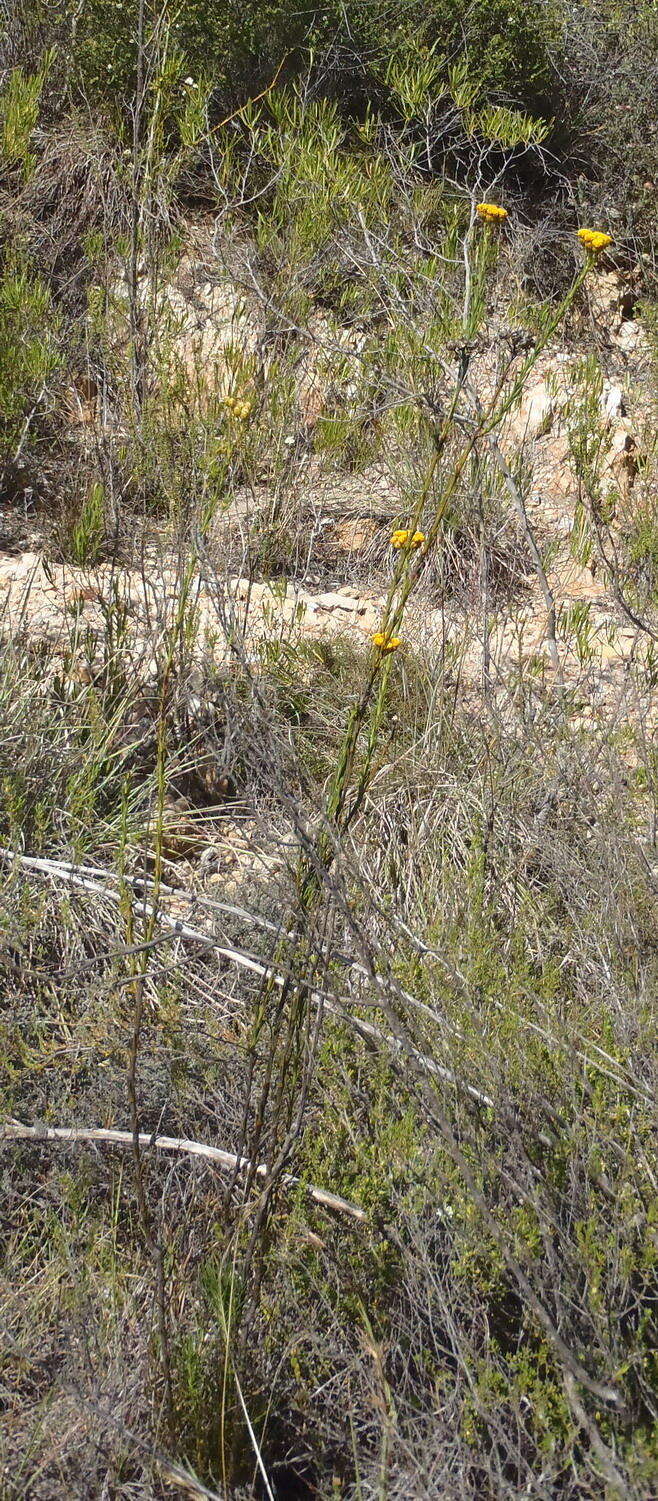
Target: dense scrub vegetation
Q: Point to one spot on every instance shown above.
(351, 944)
(588, 69)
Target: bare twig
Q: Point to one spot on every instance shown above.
(226, 1161)
(518, 502)
(63, 870)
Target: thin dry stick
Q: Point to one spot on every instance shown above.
(63, 871)
(611, 564)
(518, 502)
(266, 972)
(136, 313)
(227, 1161)
(332, 1004)
(618, 1482)
(250, 1430)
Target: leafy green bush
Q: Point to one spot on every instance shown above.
(589, 69)
(507, 42)
(19, 112)
(29, 357)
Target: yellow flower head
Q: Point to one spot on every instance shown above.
(240, 409)
(594, 240)
(404, 538)
(385, 643)
(492, 213)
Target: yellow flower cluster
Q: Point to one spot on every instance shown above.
(403, 538)
(385, 643)
(492, 213)
(594, 240)
(240, 409)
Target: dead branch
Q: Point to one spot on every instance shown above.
(226, 1161)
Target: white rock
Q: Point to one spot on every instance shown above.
(537, 412)
(335, 601)
(630, 337)
(612, 402)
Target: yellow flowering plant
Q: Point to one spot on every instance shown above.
(403, 537)
(594, 240)
(385, 643)
(491, 213)
(240, 409)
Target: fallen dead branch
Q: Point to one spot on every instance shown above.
(73, 876)
(227, 1161)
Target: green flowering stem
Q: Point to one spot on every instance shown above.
(408, 568)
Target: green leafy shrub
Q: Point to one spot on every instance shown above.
(88, 531)
(508, 43)
(19, 112)
(29, 357)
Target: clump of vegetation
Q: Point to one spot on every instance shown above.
(328, 957)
